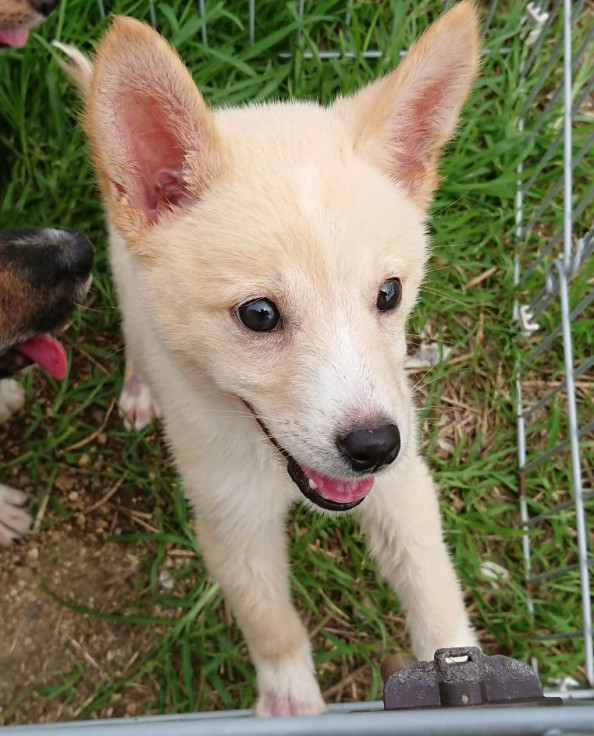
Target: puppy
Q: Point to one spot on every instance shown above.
(266, 260)
(17, 17)
(43, 275)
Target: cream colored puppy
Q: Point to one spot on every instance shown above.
(267, 259)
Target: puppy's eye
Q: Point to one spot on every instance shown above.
(389, 295)
(261, 315)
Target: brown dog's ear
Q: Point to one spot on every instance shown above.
(403, 120)
(153, 137)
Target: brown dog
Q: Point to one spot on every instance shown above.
(44, 273)
(17, 17)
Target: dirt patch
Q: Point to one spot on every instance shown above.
(45, 644)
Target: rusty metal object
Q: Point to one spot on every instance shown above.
(464, 677)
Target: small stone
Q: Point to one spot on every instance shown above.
(165, 580)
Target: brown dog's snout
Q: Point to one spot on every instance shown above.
(369, 449)
(44, 7)
(48, 256)
(78, 256)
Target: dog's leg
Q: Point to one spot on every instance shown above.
(401, 518)
(245, 550)
(136, 402)
(12, 398)
(15, 521)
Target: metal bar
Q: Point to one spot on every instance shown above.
(347, 17)
(545, 73)
(560, 571)
(369, 54)
(560, 636)
(581, 693)
(586, 496)
(567, 137)
(544, 76)
(576, 468)
(543, 254)
(489, 17)
(543, 33)
(547, 199)
(584, 202)
(153, 13)
(252, 21)
(588, 247)
(576, 160)
(584, 304)
(524, 514)
(520, 422)
(580, 370)
(579, 433)
(300, 13)
(552, 100)
(101, 8)
(202, 11)
(517, 721)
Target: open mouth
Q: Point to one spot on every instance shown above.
(327, 492)
(14, 37)
(45, 350)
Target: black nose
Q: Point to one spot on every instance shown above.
(78, 255)
(370, 449)
(44, 7)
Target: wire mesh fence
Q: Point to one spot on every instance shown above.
(553, 275)
(555, 410)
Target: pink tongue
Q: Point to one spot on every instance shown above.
(48, 353)
(338, 489)
(14, 38)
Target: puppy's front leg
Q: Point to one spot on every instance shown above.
(245, 550)
(401, 518)
(14, 517)
(12, 398)
(136, 400)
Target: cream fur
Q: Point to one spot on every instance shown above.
(312, 208)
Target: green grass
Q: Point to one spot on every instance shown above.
(197, 658)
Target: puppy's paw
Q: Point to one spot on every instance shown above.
(15, 520)
(12, 398)
(136, 404)
(289, 689)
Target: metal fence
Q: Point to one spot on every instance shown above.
(553, 276)
(555, 289)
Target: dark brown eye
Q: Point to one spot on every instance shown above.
(260, 315)
(389, 295)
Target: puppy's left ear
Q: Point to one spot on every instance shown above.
(402, 121)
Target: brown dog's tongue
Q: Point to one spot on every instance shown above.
(15, 38)
(48, 353)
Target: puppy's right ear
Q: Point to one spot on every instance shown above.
(154, 140)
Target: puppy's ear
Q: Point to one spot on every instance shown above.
(402, 121)
(153, 137)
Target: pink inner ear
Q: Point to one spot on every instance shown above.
(417, 126)
(156, 157)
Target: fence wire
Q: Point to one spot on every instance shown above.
(555, 295)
